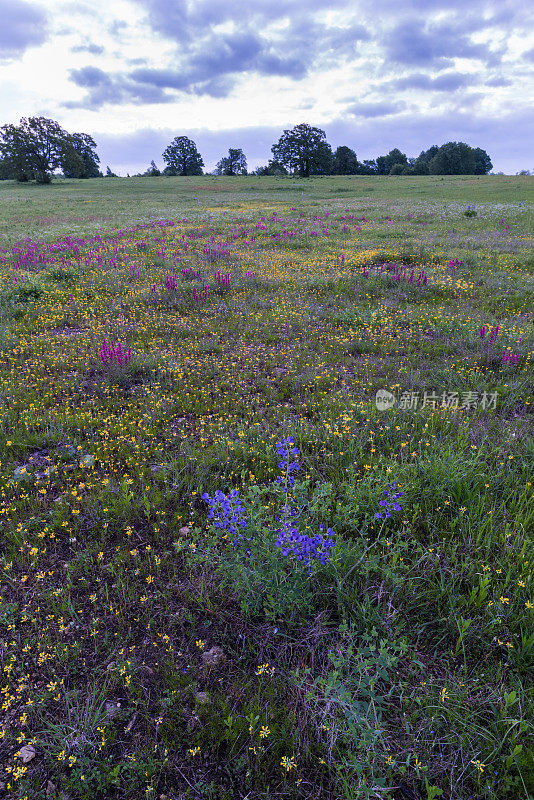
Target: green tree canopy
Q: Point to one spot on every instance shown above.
(345, 161)
(423, 160)
(273, 168)
(483, 163)
(384, 164)
(367, 167)
(182, 157)
(304, 150)
(152, 171)
(35, 148)
(83, 147)
(234, 163)
(453, 158)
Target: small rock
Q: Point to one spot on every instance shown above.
(156, 468)
(279, 371)
(183, 531)
(202, 697)
(50, 788)
(27, 753)
(213, 657)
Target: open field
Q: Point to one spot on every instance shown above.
(147, 652)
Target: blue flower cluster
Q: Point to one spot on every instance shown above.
(390, 503)
(305, 548)
(228, 513)
(283, 452)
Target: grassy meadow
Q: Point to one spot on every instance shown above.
(227, 570)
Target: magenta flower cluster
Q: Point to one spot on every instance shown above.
(202, 295)
(190, 273)
(398, 271)
(509, 358)
(113, 353)
(493, 334)
(222, 280)
(170, 283)
(454, 264)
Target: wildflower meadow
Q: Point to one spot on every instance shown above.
(266, 472)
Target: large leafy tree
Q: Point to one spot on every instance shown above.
(182, 157)
(234, 163)
(35, 147)
(453, 158)
(81, 159)
(367, 167)
(482, 161)
(345, 161)
(423, 160)
(304, 151)
(385, 164)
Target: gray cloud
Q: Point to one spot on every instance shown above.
(497, 82)
(115, 89)
(528, 54)
(205, 54)
(449, 82)
(380, 109)
(183, 21)
(23, 25)
(94, 49)
(432, 46)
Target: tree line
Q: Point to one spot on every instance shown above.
(37, 147)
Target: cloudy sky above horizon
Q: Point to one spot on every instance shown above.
(374, 74)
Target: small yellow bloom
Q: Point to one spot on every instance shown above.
(287, 763)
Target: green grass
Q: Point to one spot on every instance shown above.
(143, 655)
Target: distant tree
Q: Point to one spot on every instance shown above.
(384, 164)
(304, 151)
(345, 161)
(453, 158)
(234, 163)
(34, 148)
(83, 146)
(182, 157)
(152, 171)
(483, 163)
(273, 168)
(524, 172)
(109, 173)
(73, 166)
(398, 169)
(367, 167)
(423, 160)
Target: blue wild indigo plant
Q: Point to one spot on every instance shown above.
(305, 548)
(390, 503)
(256, 565)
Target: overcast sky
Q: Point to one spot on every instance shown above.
(374, 74)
